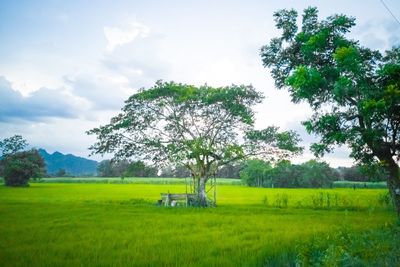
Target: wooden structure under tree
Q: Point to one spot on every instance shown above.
(168, 199)
(190, 198)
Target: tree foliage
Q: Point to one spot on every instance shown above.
(125, 168)
(255, 173)
(230, 170)
(12, 145)
(19, 166)
(61, 173)
(354, 91)
(363, 173)
(311, 174)
(140, 169)
(111, 168)
(201, 128)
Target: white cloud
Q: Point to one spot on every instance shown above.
(40, 105)
(381, 34)
(338, 157)
(104, 90)
(120, 36)
(141, 62)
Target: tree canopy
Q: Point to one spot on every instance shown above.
(201, 128)
(19, 166)
(354, 91)
(12, 145)
(125, 168)
(311, 174)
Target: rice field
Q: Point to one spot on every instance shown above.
(352, 184)
(130, 180)
(98, 224)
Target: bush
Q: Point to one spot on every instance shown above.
(385, 199)
(282, 200)
(19, 167)
(347, 248)
(265, 201)
(327, 200)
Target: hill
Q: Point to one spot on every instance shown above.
(73, 165)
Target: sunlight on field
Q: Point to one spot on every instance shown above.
(130, 180)
(120, 225)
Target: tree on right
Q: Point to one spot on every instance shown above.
(354, 91)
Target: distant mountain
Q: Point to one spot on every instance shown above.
(73, 165)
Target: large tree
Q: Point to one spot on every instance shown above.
(354, 91)
(201, 128)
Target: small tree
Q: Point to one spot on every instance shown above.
(354, 91)
(201, 128)
(61, 173)
(19, 166)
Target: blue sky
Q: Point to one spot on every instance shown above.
(67, 66)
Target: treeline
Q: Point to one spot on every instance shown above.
(126, 168)
(285, 174)
(311, 174)
(226, 171)
(372, 173)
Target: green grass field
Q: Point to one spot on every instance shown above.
(59, 224)
(130, 180)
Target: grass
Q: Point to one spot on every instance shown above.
(157, 180)
(353, 184)
(56, 224)
(129, 180)
(377, 247)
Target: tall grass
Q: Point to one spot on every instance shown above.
(377, 247)
(158, 180)
(128, 180)
(353, 184)
(54, 224)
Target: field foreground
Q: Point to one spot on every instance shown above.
(120, 225)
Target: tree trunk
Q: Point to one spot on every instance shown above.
(393, 182)
(201, 192)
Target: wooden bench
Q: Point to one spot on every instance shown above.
(168, 199)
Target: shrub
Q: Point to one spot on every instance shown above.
(325, 200)
(265, 200)
(20, 166)
(282, 200)
(385, 199)
(348, 248)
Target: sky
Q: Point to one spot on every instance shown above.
(67, 66)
